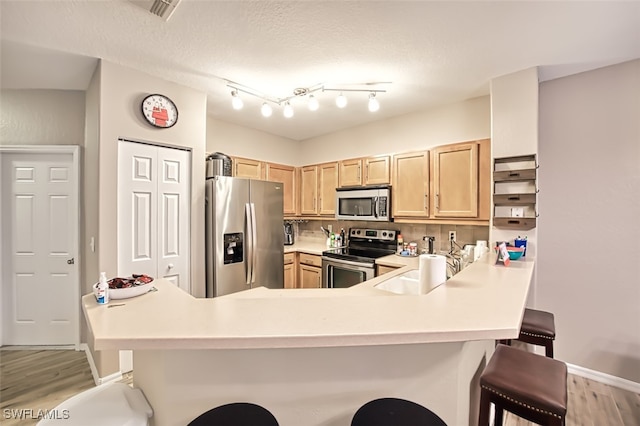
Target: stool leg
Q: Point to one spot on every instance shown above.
(485, 407)
(549, 349)
(499, 414)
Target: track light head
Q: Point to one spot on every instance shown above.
(236, 101)
(288, 110)
(313, 103)
(341, 100)
(374, 105)
(266, 110)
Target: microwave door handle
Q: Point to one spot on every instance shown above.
(375, 207)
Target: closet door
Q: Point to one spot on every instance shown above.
(153, 212)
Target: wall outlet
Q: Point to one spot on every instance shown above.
(452, 235)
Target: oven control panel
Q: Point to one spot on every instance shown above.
(373, 234)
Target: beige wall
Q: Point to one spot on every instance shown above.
(241, 141)
(463, 121)
(588, 267)
(41, 117)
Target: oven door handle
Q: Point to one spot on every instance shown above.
(335, 261)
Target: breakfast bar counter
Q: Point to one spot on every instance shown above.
(312, 356)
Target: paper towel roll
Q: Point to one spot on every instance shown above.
(432, 271)
(481, 249)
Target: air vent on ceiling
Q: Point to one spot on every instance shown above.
(161, 8)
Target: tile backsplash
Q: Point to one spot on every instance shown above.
(465, 234)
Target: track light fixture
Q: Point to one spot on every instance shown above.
(236, 101)
(341, 101)
(374, 105)
(266, 110)
(312, 101)
(288, 110)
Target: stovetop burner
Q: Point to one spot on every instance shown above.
(366, 245)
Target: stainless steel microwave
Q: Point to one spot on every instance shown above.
(364, 203)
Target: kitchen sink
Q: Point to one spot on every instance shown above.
(406, 283)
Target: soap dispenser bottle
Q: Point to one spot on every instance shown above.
(103, 289)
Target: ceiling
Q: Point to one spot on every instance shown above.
(433, 53)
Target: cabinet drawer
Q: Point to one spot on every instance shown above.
(514, 175)
(514, 199)
(310, 259)
(515, 222)
(289, 258)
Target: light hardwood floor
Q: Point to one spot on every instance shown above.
(41, 379)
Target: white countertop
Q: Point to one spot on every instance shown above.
(484, 301)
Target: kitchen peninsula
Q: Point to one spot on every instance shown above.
(313, 356)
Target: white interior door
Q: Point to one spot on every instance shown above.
(154, 212)
(40, 274)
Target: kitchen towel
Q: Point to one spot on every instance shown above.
(432, 272)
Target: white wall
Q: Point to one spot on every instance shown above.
(463, 121)
(514, 132)
(42, 117)
(588, 257)
(239, 141)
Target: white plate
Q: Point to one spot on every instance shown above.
(126, 293)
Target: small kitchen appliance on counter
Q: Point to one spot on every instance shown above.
(288, 234)
(355, 263)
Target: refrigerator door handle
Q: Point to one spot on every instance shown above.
(254, 242)
(250, 244)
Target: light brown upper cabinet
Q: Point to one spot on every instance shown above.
(455, 180)
(377, 170)
(365, 171)
(350, 172)
(327, 182)
(286, 175)
(309, 190)
(410, 185)
(247, 168)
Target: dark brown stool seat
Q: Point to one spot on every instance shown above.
(528, 385)
(538, 328)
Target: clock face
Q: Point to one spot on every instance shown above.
(159, 111)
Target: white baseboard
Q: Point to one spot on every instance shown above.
(94, 370)
(605, 378)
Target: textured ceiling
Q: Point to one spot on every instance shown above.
(434, 53)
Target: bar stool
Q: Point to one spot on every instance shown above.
(236, 414)
(538, 328)
(531, 386)
(395, 412)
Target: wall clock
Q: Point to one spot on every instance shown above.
(159, 111)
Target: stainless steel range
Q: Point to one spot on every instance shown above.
(355, 263)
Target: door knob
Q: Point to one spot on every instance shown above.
(170, 266)
(71, 261)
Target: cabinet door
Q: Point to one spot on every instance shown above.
(310, 276)
(308, 190)
(455, 180)
(286, 175)
(246, 168)
(327, 182)
(377, 170)
(290, 270)
(351, 172)
(410, 196)
(382, 269)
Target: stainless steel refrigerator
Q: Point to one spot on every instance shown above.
(244, 237)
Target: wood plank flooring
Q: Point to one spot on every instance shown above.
(41, 379)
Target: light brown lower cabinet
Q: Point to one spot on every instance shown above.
(382, 269)
(290, 270)
(309, 271)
